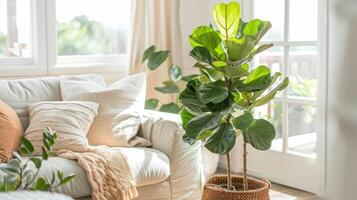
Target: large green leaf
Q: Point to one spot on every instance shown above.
(222, 106)
(151, 104)
(274, 78)
(233, 71)
(212, 74)
(258, 79)
(240, 100)
(257, 28)
(238, 49)
(260, 134)
(170, 108)
(201, 54)
(186, 116)
(157, 58)
(201, 123)
(257, 51)
(148, 52)
(205, 36)
(270, 96)
(190, 100)
(227, 19)
(169, 88)
(175, 73)
(223, 139)
(243, 121)
(214, 92)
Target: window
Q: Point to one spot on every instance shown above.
(53, 34)
(85, 31)
(15, 30)
(295, 53)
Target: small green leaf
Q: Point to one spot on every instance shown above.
(60, 175)
(212, 74)
(169, 88)
(189, 97)
(258, 79)
(260, 134)
(175, 73)
(219, 64)
(67, 179)
(28, 145)
(157, 58)
(257, 51)
(257, 28)
(223, 139)
(243, 122)
(148, 52)
(37, 162)
(240, 100)
(44, 154)
(214, 92)
(270, 96)
(170, 108)
(186, 116)
(201, 54)
(40, 184)
(189, 77)
(199, 124)
(227, 19)
(151, 104)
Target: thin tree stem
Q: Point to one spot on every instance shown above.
(245, 178)
(229, 177)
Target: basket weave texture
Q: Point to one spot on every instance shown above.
(258, 190)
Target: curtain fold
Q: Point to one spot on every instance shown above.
(155, 22)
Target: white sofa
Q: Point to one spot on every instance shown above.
(170, 170)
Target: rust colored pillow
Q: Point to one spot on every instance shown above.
(11, 131)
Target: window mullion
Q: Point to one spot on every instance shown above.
(285, 71)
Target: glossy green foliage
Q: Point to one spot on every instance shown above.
(227, 84)
(19, 174)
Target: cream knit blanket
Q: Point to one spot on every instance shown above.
(107, 172)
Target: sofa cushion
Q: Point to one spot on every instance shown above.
(20, 93)
(148, 166)
(126, 95)
(70, 119)
(10, 131)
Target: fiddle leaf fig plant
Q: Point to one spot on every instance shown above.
(23, 174)
(219, 103)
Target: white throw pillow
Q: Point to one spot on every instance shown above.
(71, 120)
(120, 103)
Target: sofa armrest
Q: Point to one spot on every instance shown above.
(165, 132)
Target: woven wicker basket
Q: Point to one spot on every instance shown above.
(258, 190)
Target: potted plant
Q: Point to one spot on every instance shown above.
(218, 104)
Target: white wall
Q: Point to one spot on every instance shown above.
(342, 97)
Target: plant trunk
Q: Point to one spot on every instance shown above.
(245, 178)
(229, 175)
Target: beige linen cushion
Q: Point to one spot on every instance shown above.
(71, 120)
(120, 104)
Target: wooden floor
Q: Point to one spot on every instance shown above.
(279, 192)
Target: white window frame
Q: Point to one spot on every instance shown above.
(44, 45)
(285, 99)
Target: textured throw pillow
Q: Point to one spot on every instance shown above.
(118, 120)
(71, 120)
(10, 131)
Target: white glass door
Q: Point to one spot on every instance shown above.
(294, 159)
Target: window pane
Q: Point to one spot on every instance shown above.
(302, 128)
(275, 14)
(15, 28)
(98, 28)
(274, 113)
(303, 71)
(303, 20)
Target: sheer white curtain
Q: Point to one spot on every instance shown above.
(155, 22)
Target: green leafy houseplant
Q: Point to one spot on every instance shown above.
(173, 86)
(19, 174)
(218, 104)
